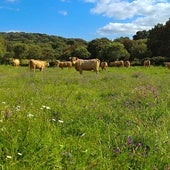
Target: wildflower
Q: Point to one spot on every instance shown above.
(45, 107)
(53, 120)
(20, 154)
(30, 115)
(139, 144)
(117, 150)
(18, 108)
(48, 108)
(1, 120)
(9, 157)
(3, 102)
(60, 121)
(83, 134)
(129, 141)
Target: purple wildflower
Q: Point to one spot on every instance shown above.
(117, 150)
(139, 144)
(129, 141)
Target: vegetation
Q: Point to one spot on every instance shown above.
(153, 44)
(59, 119)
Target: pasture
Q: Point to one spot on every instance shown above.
(59, 119)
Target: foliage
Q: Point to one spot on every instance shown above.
(158, 40)
(97, 46)
(139, 49)
(116, 51)
(81, 52)
(141, 35)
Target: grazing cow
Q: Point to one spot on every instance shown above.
(147, 63)
(104, 65)
(15, 62)
(167, 64)
(116, 64)
(63, 64)
(127, 64)
(92, 64)
(38, 64)
(73, 60)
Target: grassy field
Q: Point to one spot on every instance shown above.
(59, 119)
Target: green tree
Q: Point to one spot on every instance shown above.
(141, 35)
(34, 52)
(139, 49)
(81, 52)
(159, 40)
(116, 51)
(97, 46)
(20, 50)
(2, 47)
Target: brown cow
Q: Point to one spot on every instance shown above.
(104, 65)
(92, 64)
(116, 64)
(147, 63)
(62, 64)
(15, 62)
(38, 64)
(127, 64)
(73, 59)
(167, 64)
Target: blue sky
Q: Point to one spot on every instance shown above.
(86, 19)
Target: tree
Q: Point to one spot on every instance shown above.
(141, 35)
(139, 49)
(96, 47)
(19, 50)
(116, 51)
(2, 47)
(159, 40)
(128, 43)
(34, 51)
(81, 52)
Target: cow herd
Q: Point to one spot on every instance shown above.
(81, 64)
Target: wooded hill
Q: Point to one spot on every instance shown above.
(153, 44)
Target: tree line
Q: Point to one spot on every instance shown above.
(153, 44)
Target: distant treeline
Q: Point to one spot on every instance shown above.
(153, 44)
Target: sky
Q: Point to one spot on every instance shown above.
(85, 19)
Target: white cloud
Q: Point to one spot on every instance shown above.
(64, 13)
(130, 16)
(13, 31)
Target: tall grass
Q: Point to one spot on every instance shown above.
(59, 119)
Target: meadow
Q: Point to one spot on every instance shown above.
(59, 119)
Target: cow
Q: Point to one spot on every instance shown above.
(147, 63)
(116, 64)
(63, 64)
(38, 64)
(127, 64)
(73, 60)
(15, 62)
(104, 65)
(167, 64)
(91, 64)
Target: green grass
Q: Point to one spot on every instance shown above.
(59, 119)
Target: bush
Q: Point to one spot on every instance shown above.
(158, 60)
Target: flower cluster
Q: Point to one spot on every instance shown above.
(45, 107)
(133, 148)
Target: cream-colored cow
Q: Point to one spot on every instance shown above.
(92, 64)
(38, 64)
